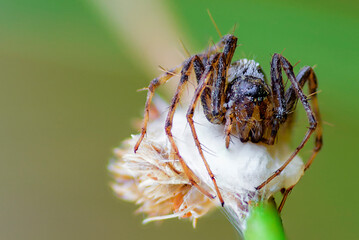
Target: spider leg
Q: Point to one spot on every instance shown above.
(280, 115)
(220, 45)
(221, 60)
(305, 74)
(163, 79)
(285, 195)
(213, 101)
(310, 114)
(207, 74)
(151, 91)
(228, 127)
(206, 101)
(215, 48)
(186, 70)
(213, 96)
(195, 61)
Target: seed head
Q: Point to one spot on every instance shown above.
(154, 178)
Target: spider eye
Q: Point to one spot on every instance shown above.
(255, 89)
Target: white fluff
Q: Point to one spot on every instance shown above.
(238, 169)
(241, 167)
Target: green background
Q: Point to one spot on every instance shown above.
(68, 95)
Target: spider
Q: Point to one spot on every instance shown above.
(237, 96)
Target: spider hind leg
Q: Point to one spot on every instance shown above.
(306, 74)
(292, 95)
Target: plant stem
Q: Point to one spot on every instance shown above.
(264, 222)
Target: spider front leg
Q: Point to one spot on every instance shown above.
(187, 67)
(284, 63)
(213, 100)
(151, 91)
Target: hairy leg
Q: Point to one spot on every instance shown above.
(213, 96)
(306, 74)
(164, 78)
(219, 62)
(207, 74)
(285, 195)
(287, 67)
(279, 111)
(228, 127)
(186, 70)
(151, 91)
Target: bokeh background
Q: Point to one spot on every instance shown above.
(69, 71)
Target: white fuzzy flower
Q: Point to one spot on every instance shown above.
(154, 178)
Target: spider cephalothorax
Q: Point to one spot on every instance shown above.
(248, 104)
(238, 96)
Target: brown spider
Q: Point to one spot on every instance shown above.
(238, 96)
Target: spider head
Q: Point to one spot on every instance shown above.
(249, 97)
(254, 90)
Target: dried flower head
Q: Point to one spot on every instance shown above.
(155, 180)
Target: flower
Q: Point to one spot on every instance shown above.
(155, 180)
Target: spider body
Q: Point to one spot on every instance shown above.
(238, 96)
(248, 103)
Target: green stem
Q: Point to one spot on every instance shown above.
(264, 223)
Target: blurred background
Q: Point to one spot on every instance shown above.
(69, 71)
